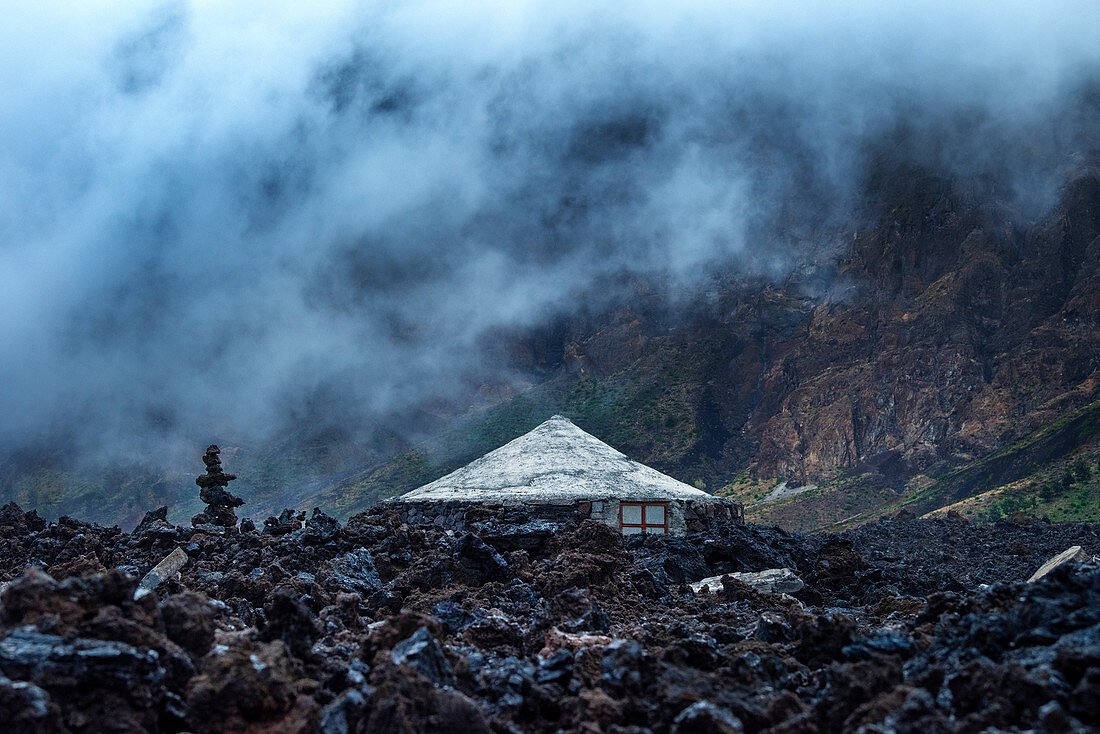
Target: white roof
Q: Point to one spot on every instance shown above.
(556, 462)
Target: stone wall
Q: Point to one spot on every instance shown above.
(698, 516)
(683, 516)
(459, 515)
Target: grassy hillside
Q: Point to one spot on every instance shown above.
(1053, 472)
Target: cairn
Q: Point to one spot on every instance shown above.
(219, 502)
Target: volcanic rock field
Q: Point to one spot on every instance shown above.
(902, 625)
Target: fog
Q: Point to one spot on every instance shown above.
(214, 215)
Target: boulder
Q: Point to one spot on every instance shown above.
(423, 653)
(771, 581)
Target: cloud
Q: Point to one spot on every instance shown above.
(214, 213)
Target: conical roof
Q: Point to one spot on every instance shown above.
(553, 463)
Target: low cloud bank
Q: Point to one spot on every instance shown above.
(216, 216)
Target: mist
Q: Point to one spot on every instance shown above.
(214, 215)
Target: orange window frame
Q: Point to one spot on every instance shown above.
(643, 525)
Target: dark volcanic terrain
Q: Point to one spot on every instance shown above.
(903, 625)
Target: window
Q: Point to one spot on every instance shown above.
(643, 517)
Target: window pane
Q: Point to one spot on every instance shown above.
(655, 514)
(655, 530)
(627, 530)
(632, 514)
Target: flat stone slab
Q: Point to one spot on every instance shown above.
(163, 571)
(1073, 553)
(772, 581)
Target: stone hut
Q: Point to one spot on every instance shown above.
(556, 473)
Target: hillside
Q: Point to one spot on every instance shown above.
(944, 351)
(947, 351)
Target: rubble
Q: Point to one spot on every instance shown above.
(380, 625)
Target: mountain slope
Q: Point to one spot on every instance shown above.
(892, 366)
(946, 333)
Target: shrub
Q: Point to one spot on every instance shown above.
(1049, 490)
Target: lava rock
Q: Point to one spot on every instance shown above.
(355, 572)
(423, 653)
(290, 620)
(240, 686)
(623, 663)
(453, 616)
(113, 682)
(27, 654)
(152, 518)
(477, 560)
(343, 715)
(320, 528)
(704, 717)
(287, 522)
(579, 612)
(558, 668)
(773, 627)
(27, 709)
(189, 622)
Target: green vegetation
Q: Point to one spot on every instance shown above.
(746, 488)
(121, 495)
(1025, 459)
(1070, 492)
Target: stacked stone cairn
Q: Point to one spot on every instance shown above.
(212, 491)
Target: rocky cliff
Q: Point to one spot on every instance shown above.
(946, 330)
